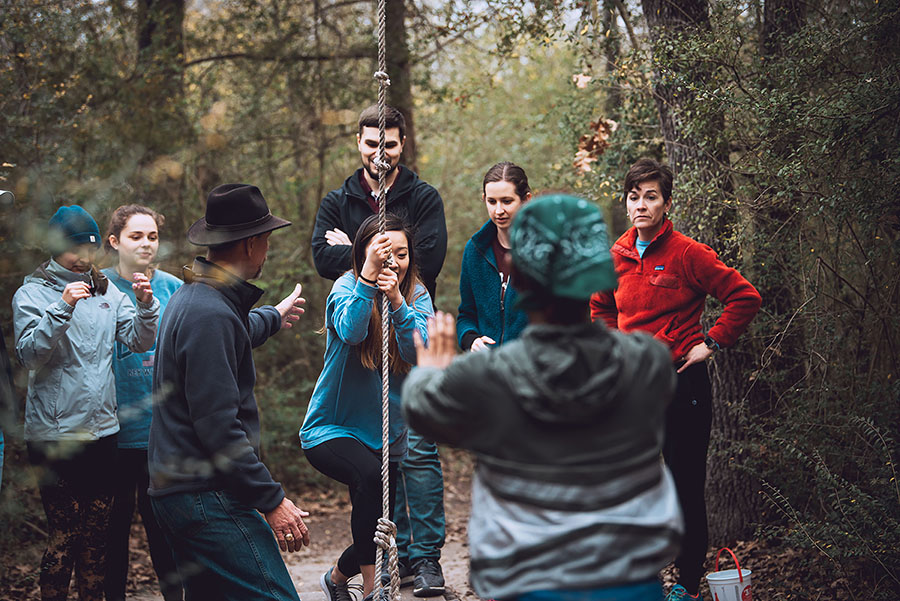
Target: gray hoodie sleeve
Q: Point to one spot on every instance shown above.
(442, 405)
(136, 328)
(37, 327)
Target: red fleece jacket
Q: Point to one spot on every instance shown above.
(664, 292)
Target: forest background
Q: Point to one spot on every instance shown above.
(781, 118)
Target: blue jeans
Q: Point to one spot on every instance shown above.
(420, 532)
(223, 549)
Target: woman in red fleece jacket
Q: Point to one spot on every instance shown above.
(664, 278)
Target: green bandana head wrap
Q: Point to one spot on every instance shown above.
(560, 242)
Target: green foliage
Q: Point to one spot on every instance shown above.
(269, 95)
(855, 518)
(811, 159)
(804, 144)
(469, 118)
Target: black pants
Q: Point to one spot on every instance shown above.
(349, 461)
(688, 423)
(75, 480)
(132, 479)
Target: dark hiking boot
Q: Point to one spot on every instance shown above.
(406, 575)
(429, 579)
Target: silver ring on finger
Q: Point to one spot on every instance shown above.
(288, 536)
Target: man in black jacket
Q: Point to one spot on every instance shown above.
(208, 487)
(408, 197)
(421, 529)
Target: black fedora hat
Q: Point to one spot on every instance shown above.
(233, 212)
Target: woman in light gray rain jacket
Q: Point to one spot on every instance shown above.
(67, 320)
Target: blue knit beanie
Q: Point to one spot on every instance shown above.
(75, 226)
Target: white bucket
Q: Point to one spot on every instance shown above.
(729, 585)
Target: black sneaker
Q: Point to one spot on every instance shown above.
(406, 575)
(429, 579)
(334, 592)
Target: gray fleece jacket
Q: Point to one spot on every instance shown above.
(570, 491)
(69, 351)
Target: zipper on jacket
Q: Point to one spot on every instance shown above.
(503, 284)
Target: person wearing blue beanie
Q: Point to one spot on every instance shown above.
(72, 226)
(67, 320)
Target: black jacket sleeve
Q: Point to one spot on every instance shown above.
(264, 322)
(330, 261)
(427, 214)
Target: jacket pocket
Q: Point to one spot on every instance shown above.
(665, 333)
(665, 280)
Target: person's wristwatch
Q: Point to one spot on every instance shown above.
(711, 344)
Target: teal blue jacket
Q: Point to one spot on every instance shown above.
(484, 308)
(346, 401)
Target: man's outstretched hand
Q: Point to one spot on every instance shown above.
(441, 348)
(291, 308)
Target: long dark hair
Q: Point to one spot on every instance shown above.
(370, 348)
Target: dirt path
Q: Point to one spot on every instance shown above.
(329, 525)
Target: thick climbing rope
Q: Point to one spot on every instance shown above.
(386, 531)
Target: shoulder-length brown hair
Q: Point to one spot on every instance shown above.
(370, 349)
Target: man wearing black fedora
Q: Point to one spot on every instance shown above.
(208, 487)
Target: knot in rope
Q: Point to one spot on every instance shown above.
(386, 534)
(382, 77)
(382, 165)
(386, 541)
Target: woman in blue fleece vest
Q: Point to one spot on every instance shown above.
(486, 313)
(341, 434)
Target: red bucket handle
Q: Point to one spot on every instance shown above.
(740, 575)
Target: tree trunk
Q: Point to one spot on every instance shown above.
(731, 495)
(781, 18)
(158, 121)
(612, 51)
(160, 61)
(398, 67)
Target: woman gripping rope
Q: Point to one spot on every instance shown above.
(341, 434)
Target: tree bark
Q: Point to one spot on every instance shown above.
(398, 67)
(612, 51)
(781, 18)
(731, 495)
(160, 67)
(157, 119)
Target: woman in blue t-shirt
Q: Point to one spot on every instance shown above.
(341, 434)
(133, 235)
